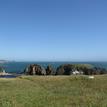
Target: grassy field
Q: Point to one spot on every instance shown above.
(54, 91)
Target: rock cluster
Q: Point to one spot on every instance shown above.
(95, 71)
(79, 69)
(35, 69)
(66, 69)
(69, 69)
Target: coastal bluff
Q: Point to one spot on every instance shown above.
(35, 69)
(64, 69)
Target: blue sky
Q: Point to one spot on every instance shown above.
(53, 30)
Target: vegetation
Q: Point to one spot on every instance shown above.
(80, 65)
(1, 69)
(54, 91)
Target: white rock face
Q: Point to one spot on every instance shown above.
(76, 72)
(4, 72)
(91, 77)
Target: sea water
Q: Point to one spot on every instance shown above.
(18, 67)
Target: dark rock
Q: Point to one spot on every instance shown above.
(1, 69)
(35, 69)
(50, 70)
(69, 69)
(103, 71)
(95, 71)
(64, 70)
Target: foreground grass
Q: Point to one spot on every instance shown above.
(54, 91)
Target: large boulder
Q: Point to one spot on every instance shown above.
(35, 69)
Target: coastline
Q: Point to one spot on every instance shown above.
(18, 67)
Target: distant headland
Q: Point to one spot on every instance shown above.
(3, 61)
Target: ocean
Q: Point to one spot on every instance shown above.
(18, 67)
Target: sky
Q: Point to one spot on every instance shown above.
(53, 30)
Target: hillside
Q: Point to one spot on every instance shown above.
(54, 91)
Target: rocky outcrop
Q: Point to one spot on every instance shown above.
(3, 72)
(95, 71)
(66, 69)
(1, 69)
(50, 70)
(35, 70)
(69, 69)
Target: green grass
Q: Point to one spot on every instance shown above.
(54, 91)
